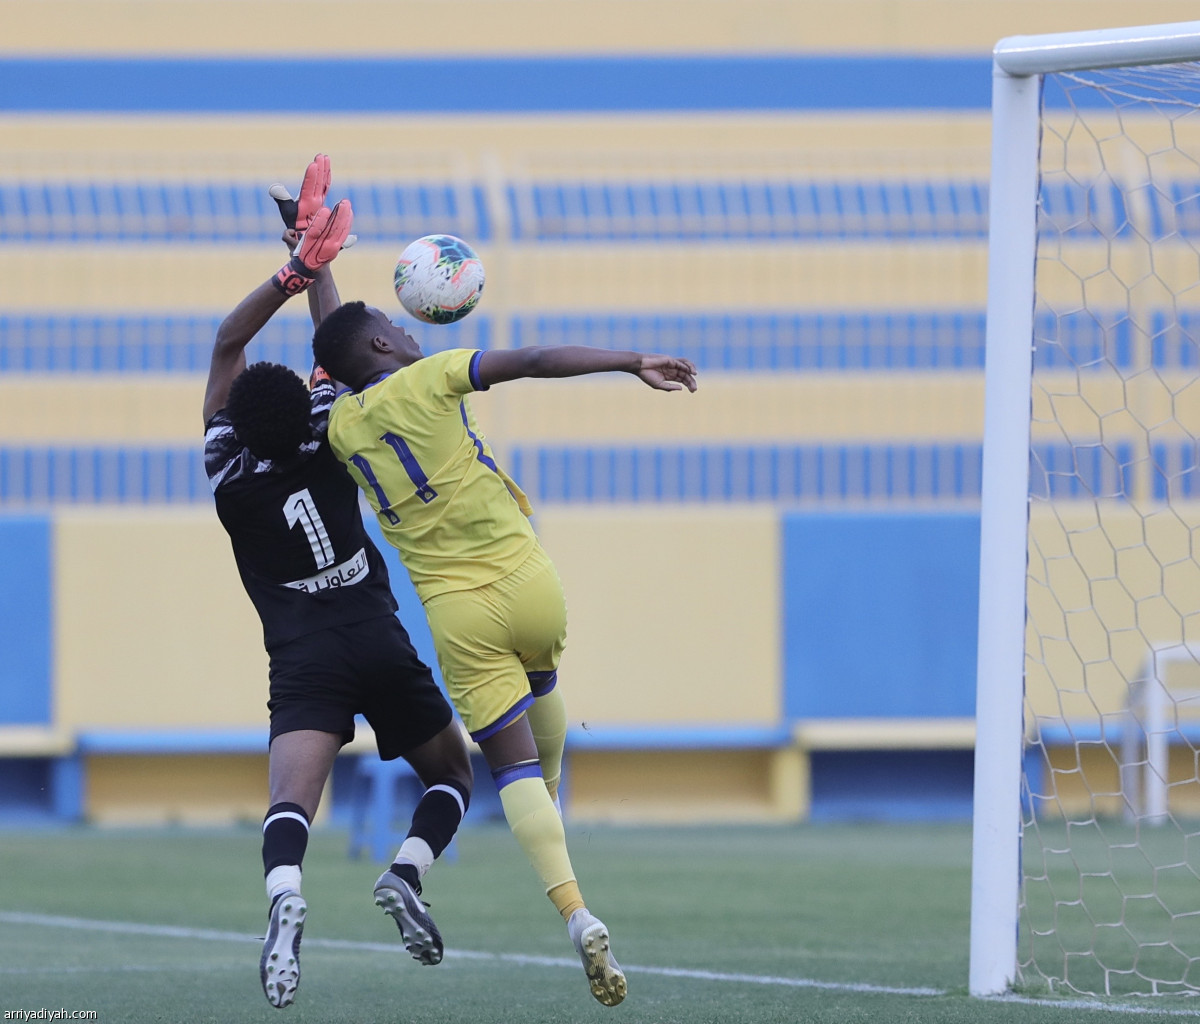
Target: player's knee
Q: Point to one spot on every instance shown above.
(457, 758)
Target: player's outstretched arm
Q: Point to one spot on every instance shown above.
(664, 373)
(321, 243)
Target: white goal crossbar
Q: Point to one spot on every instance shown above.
(1018, 64)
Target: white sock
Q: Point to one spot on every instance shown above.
(416, 852)
(285, 878)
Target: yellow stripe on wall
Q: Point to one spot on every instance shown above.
(1105, 585)
(175, 279)
(673, 615)
(611, 409)
(375, 27)
(724, 277)
(104, 408)
(811, 407)
(450, 146)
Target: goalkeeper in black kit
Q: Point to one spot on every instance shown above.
(322, 592)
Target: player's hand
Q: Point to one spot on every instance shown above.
(326, 236)
(298, 213)
(666, 373)
(324, 239)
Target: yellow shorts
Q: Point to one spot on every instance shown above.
(494, 641)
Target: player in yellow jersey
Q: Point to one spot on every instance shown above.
(494, 601)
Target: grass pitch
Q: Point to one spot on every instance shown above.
(820, 924)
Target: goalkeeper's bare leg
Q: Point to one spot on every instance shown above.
(300, 762)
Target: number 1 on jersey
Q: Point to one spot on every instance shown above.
(300, 508)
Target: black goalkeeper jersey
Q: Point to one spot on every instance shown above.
(298, 538)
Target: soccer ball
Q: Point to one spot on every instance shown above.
(439, 279)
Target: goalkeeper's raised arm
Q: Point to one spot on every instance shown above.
(320, 244)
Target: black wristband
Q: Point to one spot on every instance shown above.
(293, 277)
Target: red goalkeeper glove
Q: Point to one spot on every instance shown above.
(298, 213)
(323, 240)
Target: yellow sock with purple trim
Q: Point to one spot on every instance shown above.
(539, 831)
(548, 721)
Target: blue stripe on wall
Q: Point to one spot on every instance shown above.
(829, 340)
(223, 211)
(880, 615)
(103, 474)
(772, 473)
(1082, 471)
(832, 474)
(26, 620)
(1175, 470)
(803, 209)
(687, 209)
(710, 209)
(497, 85)
(812, 341)
(139, 343)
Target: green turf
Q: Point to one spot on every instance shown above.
(839, 905)
(1109, 904)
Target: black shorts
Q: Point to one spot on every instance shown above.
(323, 680)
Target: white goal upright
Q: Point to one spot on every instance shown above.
(1086, 850)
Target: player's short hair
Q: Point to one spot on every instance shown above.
(269, 407)
(339, 343)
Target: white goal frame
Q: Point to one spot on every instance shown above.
(1018, 66)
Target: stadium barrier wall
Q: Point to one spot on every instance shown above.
(677, 667)
(132, 622)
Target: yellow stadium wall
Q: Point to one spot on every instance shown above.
(177, 789)
(175, 642)
(174, 645)
(670, 619)
(367, 27)
(154, 629)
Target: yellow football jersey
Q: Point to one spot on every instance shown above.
(411, 442)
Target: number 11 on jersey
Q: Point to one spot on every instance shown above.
(413, 468)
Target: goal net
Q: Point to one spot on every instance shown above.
(1108, 859)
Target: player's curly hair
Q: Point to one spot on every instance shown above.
(269, 407)
(340, 339)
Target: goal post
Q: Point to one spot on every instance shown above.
(1019, 69)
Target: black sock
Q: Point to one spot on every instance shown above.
(438, 814)
(285, 836)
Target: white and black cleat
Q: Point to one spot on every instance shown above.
(396, 898)
(279, 967)
(605, 977)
